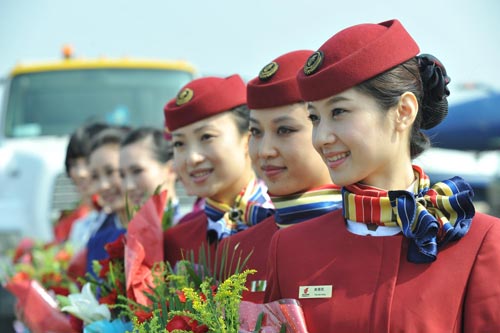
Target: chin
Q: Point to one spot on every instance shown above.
(341, 181)
(117, 206)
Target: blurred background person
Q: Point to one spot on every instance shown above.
(77, 169)
(146, 166)
(104, 167)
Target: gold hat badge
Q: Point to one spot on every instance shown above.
(184, 96)
(268, 71)
(313, 63)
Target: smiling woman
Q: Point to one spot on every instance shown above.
(208, 122)
(283, 156)
(146, 166)
(104, 162)
(381, 257)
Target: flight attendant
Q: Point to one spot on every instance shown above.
(401, 256)
(208, 121)
(283, 156)
(146, 167)
(104, 164)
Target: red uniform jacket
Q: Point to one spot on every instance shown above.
(187, 236)
(254, 240)
(376, 289)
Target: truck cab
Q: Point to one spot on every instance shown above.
(43, 103)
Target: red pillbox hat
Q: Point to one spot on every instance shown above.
(354, 55)
(276, 84)
(203, 98)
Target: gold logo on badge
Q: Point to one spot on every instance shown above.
(313, 63)
(268, 71)
(184, 96)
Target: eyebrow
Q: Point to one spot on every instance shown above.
(275, 120)
(331, 101)
(196, 130)
(336, 99)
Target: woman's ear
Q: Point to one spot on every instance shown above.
(246, 142)
(406, 111)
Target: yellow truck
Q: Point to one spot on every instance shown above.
(44, 103)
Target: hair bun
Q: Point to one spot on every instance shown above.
(435, 83)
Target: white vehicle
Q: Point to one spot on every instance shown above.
(43, 104)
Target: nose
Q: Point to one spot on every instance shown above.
(194, 157)
(102, 184)
(128, 183)
(322, 135)
(267, 147)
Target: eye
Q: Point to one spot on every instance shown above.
(110, 172)
(206, 136)
(178, 144)
(337, 112)
(285, 130)
(137, 171)
(94, 176)
(255, 131)
(313, 118)
(122, 174)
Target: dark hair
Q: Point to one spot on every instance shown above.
(426, 78)
(162, 149)
(241, 114)
(80, 141)
(110, 135)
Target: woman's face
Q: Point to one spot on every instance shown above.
(141, 172)
(80, 175)
(104, 170)
(358, 141)
(211, 157)
(282, 152)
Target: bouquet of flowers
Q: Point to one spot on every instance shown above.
(35, 275)
(36, 308)
(45, 263)
(99, 304)
(190, 298)
(96, 317)
(121, 280)
(144, 247)
(284, 315)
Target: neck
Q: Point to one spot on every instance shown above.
(399, 176)
(228, 195)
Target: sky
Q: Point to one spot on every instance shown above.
(222, 37)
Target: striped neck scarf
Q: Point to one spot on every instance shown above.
(430, 217)
(251, 206)
(296, 208)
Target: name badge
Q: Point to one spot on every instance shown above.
(315, 291)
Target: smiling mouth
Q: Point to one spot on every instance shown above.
(109, 198)
(338, 157)
(200, 174)
(272, 171)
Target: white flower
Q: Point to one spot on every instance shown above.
(86, 307)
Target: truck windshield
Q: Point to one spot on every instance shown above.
(58, 102)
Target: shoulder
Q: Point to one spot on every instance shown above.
(266, 226)
(318, 226)
(196, 222)
(191, 216)
(483, 225)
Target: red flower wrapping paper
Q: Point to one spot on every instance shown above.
(144, 247)
(284, 311)
(39, 310)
